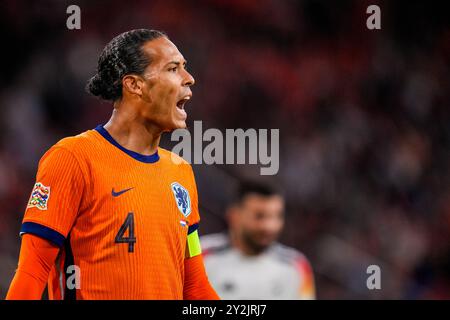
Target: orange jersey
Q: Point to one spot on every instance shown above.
(121, 218)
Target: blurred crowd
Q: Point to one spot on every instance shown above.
(364, 121)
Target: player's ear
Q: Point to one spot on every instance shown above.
(133, 84)
(231, 215)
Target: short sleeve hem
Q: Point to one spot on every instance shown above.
(43, 232)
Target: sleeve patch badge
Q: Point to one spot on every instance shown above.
(39, 197)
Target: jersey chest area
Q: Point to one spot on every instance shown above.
(136, 207)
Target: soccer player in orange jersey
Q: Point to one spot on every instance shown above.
(112, 215)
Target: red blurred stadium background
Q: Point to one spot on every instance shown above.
(363, 118)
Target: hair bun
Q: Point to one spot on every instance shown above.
(99, 88)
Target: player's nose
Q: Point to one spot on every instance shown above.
(188, 80)
(271, 227)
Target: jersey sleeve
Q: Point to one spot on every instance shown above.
(193, 240)
(306, 290)
(56, 196)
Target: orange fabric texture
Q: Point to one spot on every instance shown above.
(117, 218)
(36, 259)
(197, 286)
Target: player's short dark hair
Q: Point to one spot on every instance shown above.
(253, 187)
(123, 55)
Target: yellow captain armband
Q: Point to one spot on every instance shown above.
(193, 242)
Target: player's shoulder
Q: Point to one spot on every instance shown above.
(215, 243)
(73, 146)
(77, 142)
(288, 254)
(176, 164)
(172, 158)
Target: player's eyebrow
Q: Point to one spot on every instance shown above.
(176, 63)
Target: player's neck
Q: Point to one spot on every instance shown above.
(247, 251)
(133, 134)
(242, 246)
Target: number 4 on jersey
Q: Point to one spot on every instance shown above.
(131, 239)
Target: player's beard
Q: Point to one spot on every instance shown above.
(256, 247)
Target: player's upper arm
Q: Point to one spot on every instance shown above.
(193, 247)
(35, 262)
(56, 196)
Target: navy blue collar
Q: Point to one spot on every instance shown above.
(139, 157)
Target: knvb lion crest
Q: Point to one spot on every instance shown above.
(182, 198)
(39, 197)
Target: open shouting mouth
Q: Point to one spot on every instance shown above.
(180, 105)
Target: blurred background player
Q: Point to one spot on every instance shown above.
(247, 262)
